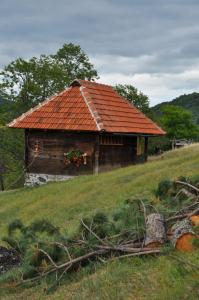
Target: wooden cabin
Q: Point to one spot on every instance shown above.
(88, 128)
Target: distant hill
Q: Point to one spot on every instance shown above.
(190, 102)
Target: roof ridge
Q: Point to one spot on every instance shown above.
(32, 109)
(82, 81)
(93, 111)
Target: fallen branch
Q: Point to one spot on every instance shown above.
(193, 213)
(93, 233)
(67, 264)
(176, 218)
(183, 216)
(63, 247)
(186, 193)
(48, 256)
(186, 208)
(154, 251)
(188, 184)
(124, 249)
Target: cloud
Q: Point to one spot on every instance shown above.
(152, 44)
(159, 87)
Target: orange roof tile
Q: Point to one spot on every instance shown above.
(88, 106)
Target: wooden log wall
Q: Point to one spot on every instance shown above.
(45, 152)
(114, 156)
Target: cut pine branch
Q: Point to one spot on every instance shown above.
(94, 255)
(188, 185)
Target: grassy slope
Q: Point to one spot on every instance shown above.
(64, 203)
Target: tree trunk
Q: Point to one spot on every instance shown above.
(1, 182)
(155, 230)
(182, 236)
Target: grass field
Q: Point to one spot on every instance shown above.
(66, 202)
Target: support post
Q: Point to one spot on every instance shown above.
(26, 149)
(96, 156)
(146, 148)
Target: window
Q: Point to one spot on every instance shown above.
(111, 140)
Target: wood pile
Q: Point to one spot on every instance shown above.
(181, 233)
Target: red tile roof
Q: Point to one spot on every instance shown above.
(88, 106)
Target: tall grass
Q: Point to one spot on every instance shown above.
(64, 203)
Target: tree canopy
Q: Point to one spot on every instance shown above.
(178, 122)
(134, 96)
(28, 82)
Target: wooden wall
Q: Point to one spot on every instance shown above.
(115, 156)
(52, 145)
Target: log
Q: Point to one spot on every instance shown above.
(155, 230)
(183, 236)
(194, 220)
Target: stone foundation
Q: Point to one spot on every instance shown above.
(32, 179)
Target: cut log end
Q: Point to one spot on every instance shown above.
(194, 220)
(185, 243)
(183, 236)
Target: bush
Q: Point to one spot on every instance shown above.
(165, 189)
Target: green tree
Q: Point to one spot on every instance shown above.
(178, 122)
(134, 96)
(28, 82)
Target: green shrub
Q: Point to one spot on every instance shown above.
(164, 189)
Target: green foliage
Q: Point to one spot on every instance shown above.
(156, 144)
(164, 189)
(11, 157)
(100, 224)
(170, 196)
(10, 241)
(179, 123)
(187, 101)
(74, 153)
(28, 240)
(137, 98)
(129, 217)
(74, 63)
(16, 224)
(43, 226)
(25, 83)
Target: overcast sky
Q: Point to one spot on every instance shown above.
(151, 44)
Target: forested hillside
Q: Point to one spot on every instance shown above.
(190, 102)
